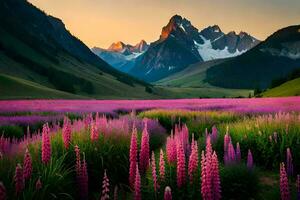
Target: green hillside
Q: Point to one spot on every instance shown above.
(290, 88)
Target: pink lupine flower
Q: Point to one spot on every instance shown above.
(238, 153)
(145, 150)
(216, 183)
(205, 179)
(161, 166)
(171, 149)
(27, 163)
(133, 157)
(208, 149)
(94, 131)
(46, 145)
(249, 160)
(66, 132)
(193, 161)
(19, 179)
(298, 187)
(2, 192)
(105, 187)
(227, 140)
(289, 162)
(137, 184)
(214, 134)
(78, 160)
(168, 193)
(230, 154)
(284, 183)
(180, 165)
(38, 184)
(84, 180)
(154, 175)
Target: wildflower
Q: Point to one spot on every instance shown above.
(78, 161)
(27, 163)
(161, 166)
(289, 162)
(145, 150)
(154, 175)
(193, 161)
(214, 134)
(38, 184)
(94, 131)
(205, 178)
(230, 154)
(46, 145)
(168, 193)
(19, 179)
(2, 191)
(66, 132)
(105, 187)
(133, 157)
(284, 183)
(249, 160)
(137, 184)
(171, 149)
(238, 153)
(180, 165)
(216, 184)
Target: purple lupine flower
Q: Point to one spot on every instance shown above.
(46, 145)
(161, 166)
(214, 134)
(284, 183)
(2, 192)
(145, 150)
(137, 184)
(168, 193)
(289, 162)
(180, 165)
(66, 132)
(154, 175)
(27, 163)
(227, 140)
(231, 158)
(133, 157)
(238, 153)
(19, 179)
(249, 160)
(105, 187)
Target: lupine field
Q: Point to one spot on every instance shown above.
(206, 149)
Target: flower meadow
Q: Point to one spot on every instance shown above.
(187, 149)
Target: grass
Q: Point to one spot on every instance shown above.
(290, 88)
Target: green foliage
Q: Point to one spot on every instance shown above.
(11, 131)
(238, 182)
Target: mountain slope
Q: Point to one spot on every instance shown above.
(38, 48)
(290, 88)
(274, 58)
(181, 44)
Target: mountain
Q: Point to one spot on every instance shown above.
(36, 50)
(181, 44)
(121, 56)
(272, 59)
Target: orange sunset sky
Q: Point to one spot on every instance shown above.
(101, 22)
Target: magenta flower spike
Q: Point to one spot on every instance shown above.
(19, 179)
(238, 153)
(162, 166)
(78, 163)
(27, 163)
(94, 131)
(145, 150)
(2, 192)
(205, 179)
(230, 154)
(38, 184)
(66, 132)
(284, 183)
(133, 157)
(168, 193)
(154, 175)
(289, 162)
(214, 134)
(137, 184)
(171, 149)
(193, 161)
(216, 183)
(105, 187)
(249, 160)
(180, 165)
(46, 145)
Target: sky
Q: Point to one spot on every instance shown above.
(102, 22)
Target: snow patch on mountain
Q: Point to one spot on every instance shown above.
(207, 52)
